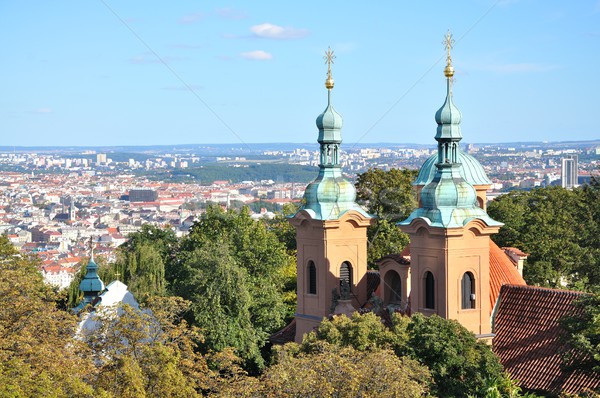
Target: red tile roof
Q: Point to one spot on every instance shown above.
(529, 339)
(502, 272)
(285, 335)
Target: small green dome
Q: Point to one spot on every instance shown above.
(449, 202)
(330, 195)
(470, 170)
(448, 117)
(447, 191)
(91, 284)
(329, 124)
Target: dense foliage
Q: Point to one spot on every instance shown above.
(459, 364)
(233, 269)
(583, 335)
(388, 195)
(35, 354)
(558, 228)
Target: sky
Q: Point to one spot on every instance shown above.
(145, 72)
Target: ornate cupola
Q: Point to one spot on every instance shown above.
(330, 194)
(91, 285)
(448, 200)
(450, 231)
(331, 232)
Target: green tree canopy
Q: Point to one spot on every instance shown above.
(390, 196)
(38, 355)
(387, 194)
(583, 335)
(558, 228)
(459, 364)
(148, 352)
(334, 371)
(235, 269)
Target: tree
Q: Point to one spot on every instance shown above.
(149, 352)
(557, 227)
(141, 261)
(335, 371)
(389, 195)
(38, 355)
(220, 292)
(251, 270)
(459, 364)
(583, 335)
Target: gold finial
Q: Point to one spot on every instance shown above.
(448, 45)
(329, 57)
(91, 248)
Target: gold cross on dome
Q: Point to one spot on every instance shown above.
(329, 57)
(448, 45)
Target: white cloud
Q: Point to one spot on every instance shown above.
(258, 55)
(191, 18)
(270, 31)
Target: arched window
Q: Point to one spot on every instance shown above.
(429, 290)
(393, 288)
(468, 291)
(345, 277)
(312, 278)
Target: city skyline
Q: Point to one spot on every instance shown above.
(105, 73)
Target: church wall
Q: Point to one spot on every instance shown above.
(328, 244)
(448, 258)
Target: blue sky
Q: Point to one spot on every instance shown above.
(87, 72)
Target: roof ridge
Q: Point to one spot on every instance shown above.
(549, 289)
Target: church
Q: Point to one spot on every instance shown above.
(451, 267)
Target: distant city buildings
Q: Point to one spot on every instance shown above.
(142, 195)
(569, 172)
(51, 203)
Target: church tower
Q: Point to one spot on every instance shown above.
(91, 285)
(331, 232)
(450, 231)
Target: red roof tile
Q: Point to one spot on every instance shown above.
(285, 335)
(502, 272)
(529, 339)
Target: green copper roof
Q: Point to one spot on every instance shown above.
(448, 201)
(448, 117)
(330, 195)
(329, 124)
(470, 170)
(91, 285)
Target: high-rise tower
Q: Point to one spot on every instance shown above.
(568, 172)
(450, 231)
(331, 231)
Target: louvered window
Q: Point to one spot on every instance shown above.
(312, 278)
(429, 290)
(346, 276)
(468, 291)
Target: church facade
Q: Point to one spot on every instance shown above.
(451, 267)
(448, 273)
